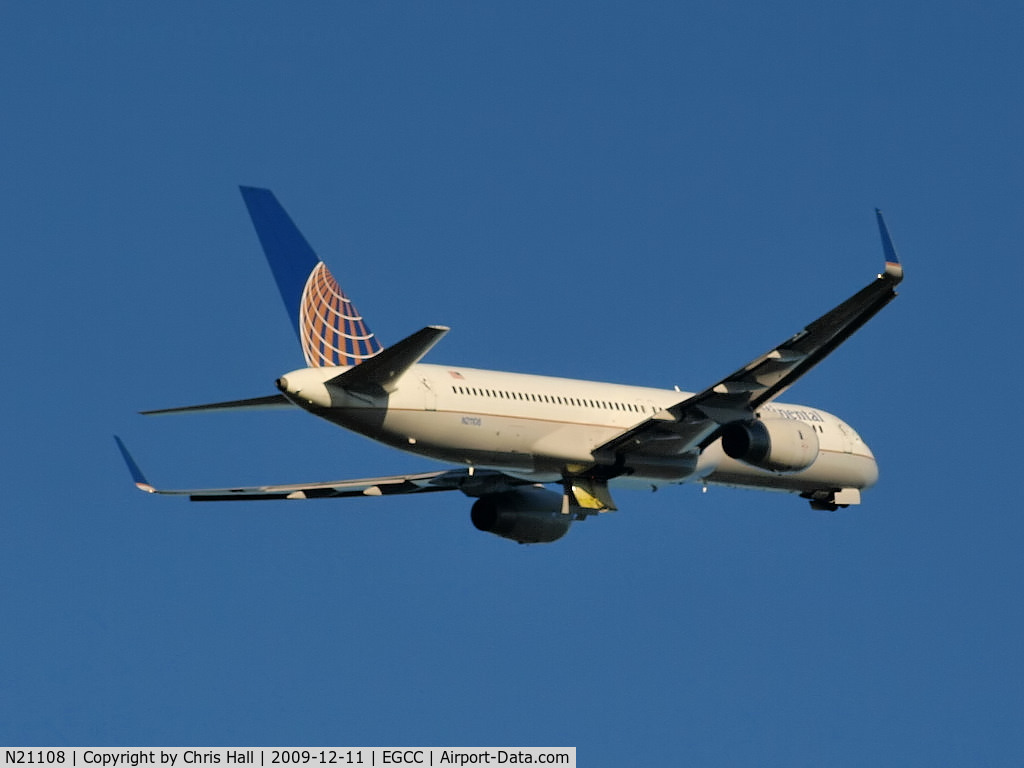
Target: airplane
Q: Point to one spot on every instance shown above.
(512, 434)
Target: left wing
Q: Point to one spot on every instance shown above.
(474, 483)
(738, 396)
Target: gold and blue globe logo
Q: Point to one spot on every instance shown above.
(331, 329)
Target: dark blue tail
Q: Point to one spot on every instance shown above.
(331, 330)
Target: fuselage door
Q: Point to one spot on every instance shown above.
(846, 437)
(429, 395)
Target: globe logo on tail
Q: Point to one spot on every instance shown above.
(332, 331)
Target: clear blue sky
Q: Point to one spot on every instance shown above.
(648, 193)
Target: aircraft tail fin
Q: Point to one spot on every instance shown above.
(330, 329)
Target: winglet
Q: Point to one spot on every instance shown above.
(893, 268)
(140, 480)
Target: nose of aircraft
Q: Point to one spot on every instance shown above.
(870, 471)
(862, 466)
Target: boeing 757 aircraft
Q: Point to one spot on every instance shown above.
(513, 433)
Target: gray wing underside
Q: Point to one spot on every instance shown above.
(471, 483)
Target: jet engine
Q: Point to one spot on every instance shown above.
(779, 445)
(527, 515)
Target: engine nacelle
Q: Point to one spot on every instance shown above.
(779, 445)
(527, 515)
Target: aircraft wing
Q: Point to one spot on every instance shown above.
(696, 420)
(470, 483)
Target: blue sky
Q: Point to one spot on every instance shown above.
(647, 193)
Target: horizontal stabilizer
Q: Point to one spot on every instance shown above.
(252, 404)
(384, 369)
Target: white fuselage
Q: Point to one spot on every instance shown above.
(539, 427)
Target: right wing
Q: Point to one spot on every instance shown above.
(474, 483)
(695, 422)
